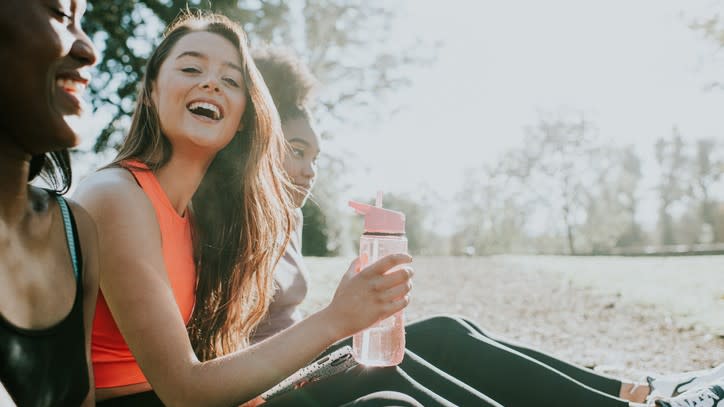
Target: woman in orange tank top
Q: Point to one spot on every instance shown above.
(189, 216)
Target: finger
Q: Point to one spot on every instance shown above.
(393, 278)
(396, 292)
(386, 263)
(397, 305)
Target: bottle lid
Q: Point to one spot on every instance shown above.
(379, 219)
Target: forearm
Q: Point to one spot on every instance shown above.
(242, 375)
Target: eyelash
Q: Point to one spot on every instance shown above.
(231, 82)
(62, 16)
(193, 70)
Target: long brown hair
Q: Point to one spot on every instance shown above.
(241, 212)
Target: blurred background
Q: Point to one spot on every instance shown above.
(523, 127)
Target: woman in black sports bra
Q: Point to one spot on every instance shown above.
(48, 286)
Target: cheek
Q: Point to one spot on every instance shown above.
(289, 166)
(64, 39)
(238, 105)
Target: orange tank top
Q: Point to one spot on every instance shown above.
(113, 363)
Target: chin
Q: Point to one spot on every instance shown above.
(62, 136)
(299, 202)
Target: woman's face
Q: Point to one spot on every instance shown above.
(300, 162)
(199, 94)
(46, 56)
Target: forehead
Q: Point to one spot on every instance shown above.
(211, 46)
(300, 130)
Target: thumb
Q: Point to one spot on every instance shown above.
(356, 266)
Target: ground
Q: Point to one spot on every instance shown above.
(624, 316)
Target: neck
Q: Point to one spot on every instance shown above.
(14, 170)
(180, 178)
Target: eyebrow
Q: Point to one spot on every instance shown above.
(298, 140)
(196, 54)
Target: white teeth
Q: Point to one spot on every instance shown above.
(70, 84)
(207, 106)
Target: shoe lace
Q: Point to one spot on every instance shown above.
(703, 398)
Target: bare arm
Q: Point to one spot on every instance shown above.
(135, 285)
(89, 248)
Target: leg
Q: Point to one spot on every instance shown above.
(604, 383)
(355, 384)
(415, 369)
(384, 398)
(508, 376)
(609, 385)
(444, 384)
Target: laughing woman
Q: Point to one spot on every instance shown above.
(189, 216)
(48, 285)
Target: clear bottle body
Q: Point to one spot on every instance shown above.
(382, 344)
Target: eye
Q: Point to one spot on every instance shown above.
(297, 152)
(190, 69)
(231, 82)
(60, 15)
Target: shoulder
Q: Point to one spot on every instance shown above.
(111, 192)
(120, 209)
(87, 231)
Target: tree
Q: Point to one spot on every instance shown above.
(555, 166)
(628, 184)
(492, 211)
(345, 42)
(673, 162)
(708, 168)
(611, 200)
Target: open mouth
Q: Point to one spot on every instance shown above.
(205, 109)
(70, 85)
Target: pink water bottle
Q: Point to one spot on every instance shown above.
(382, 344)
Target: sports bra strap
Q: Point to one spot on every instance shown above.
(69, 235)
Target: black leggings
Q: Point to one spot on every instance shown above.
(598, 381)
(513, 376)
(428, 386)
(378, 399)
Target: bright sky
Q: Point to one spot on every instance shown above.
(633, 68)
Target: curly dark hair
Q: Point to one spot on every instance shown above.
(289, 81)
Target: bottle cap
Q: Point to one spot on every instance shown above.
(378, 219)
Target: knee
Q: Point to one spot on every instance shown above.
(441, 322)
(385, 398)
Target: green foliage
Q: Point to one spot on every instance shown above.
(314, 233)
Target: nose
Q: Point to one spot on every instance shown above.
(211, 84)
(309, 171)
(83, 49)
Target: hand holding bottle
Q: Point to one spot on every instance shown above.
(370, 294)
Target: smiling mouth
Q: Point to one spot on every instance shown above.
(205, 109)
(71, 86)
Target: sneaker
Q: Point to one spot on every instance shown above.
(711, 396)
(675, 384)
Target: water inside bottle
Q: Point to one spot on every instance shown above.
(382, 344)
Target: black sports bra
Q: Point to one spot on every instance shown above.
(48, 367)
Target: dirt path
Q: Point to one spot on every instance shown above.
(548, 311)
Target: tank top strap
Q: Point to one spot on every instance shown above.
(143, 176)
(71, 235)
(147, 180)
